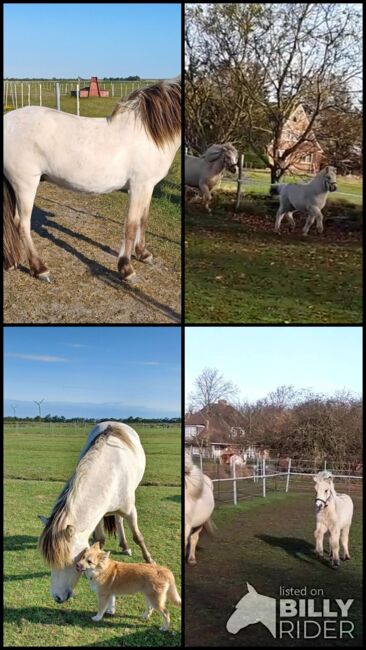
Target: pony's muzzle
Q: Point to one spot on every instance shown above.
(60, 600)
(332, 187)
(233, 169)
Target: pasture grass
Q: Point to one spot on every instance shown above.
(269, 544)
(258, 181)
(41, 463)
(239, 271)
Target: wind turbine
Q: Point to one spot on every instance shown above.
(14, 407)
(39, 405)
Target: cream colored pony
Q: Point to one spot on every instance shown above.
(205, 172)
(111, 466)
(333, 515)
(199, 504)
(132, 149)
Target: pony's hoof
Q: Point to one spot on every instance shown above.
(146, 257)
(45, 277)
(192, 562)
(111, 612)
(96, 618)
(334, 564)
(346, 557)
(126, 551)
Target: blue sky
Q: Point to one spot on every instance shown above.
(70, 40)
(258, 359)
(93, 371)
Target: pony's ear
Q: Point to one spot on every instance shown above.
(43, 519)
(251, 589)
(315, 479)
(69, 532)
(329, 479)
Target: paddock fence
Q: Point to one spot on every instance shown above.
(266, 476)
(258, 181)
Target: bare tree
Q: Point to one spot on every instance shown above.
(255, 63)
(209, 387)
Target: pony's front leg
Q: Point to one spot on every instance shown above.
(206, 196)
(122, 537)
(291, 221)
(344, 542)
(319, 220)
(98, 534)
(25, 201)
(308, 223)
(139, 198)
(319, 537)
(334, 545)
(193, 541)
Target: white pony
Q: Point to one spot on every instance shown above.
(205, 172)
(132, 149)
(333, 515)
(309, 197)
(199, 504)
(236, 461)
(111, 466)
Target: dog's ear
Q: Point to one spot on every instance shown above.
(96, 546)
(105, 556)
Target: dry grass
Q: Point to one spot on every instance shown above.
(78, 236)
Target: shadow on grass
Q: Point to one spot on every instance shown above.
(62, 616)
(25, 576)
(294, 546)
(19, 542)
(176, 498)
(42, 223)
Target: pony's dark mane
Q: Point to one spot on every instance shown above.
(159, 109)
(53, 542)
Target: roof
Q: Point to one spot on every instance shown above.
(218, 419)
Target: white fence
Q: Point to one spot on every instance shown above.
(266, 478)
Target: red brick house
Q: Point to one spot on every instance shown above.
(309, 157)
(219, 422)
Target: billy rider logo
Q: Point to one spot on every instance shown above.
(294, 618)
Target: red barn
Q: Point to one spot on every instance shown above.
(92, 91)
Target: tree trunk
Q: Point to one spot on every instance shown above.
(276, 174)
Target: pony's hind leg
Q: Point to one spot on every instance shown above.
(308, 223)
(139, 198)
(344, 542)
(193, 541)
(122, 536)
(291, 220)
(206, 196)
(279, 216)
(25, 200)
(98, 534)
(137, 535)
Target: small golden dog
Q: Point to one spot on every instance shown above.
(110, 579)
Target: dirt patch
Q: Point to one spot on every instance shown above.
(78, 236)
(268, 544)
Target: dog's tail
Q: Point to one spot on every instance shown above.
(172, 594)
(110, 524)
(275, 189)
(12, 250)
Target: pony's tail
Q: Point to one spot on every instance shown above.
(12, 250)
(110, 524)
(275, 189)
(173, 595)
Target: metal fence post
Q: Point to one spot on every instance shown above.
(264, 476)
(238, 194)
(40, 94)
(288, 474)
(234, 485)
(77, 99)
(201, 463)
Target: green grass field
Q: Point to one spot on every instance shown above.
(257, 181)
(36, 467)
(239, 271)
(269, 544)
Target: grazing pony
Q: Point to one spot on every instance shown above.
(309, 197)
(199, 504)
(205, 172)
(111, 466)
(333, 515)
(132, 149)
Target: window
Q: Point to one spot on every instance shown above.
(308, 158)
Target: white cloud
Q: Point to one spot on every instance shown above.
(38, 357)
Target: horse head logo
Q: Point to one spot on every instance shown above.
(253, 608)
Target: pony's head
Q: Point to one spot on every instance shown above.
(330, 178)
(61, 548)
(324, 489)
(253, 608)
(226, 153)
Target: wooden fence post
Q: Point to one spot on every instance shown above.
(77, 99)
(288, 474)
(238, 193)
(58, 91)
(40, 94)
(29, 94)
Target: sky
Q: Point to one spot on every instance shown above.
(259, 359)
(94, 372)
(104, 40)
